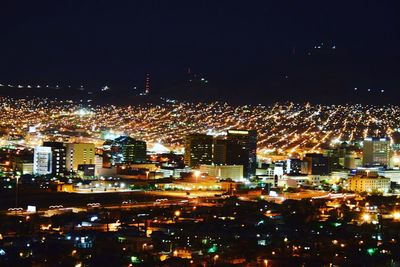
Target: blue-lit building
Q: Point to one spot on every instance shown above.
(125, 149)
(241, 149)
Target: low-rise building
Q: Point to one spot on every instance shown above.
(368, 183)
(235, 172)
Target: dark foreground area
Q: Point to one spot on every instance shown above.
(217, 231)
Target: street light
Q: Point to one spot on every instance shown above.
(197, 175)
(215, 259)
(396, 215)
(366, 217)
(16, 190)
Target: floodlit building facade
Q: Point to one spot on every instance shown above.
(42, 160)
(368, 183)
(79, 154)
(235, 172)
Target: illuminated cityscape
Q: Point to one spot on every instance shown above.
(121, 171)
(199, 134)
(282, 128)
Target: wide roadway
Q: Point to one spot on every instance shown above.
(43, 200)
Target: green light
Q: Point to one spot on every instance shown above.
(337, 224)
(213, 249)
(135, 259)
(371, 251)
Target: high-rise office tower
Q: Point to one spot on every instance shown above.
(376, 151)
(317, 164)
(219, 151)
(352, 160)
(125, 149)
(79, 154)
(293, 166)
(242, 150)
(198, 150)
(42, 160)
(59, 154)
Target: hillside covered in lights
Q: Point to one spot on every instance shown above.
(283, 127)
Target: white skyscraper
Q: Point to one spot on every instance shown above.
(42, 160)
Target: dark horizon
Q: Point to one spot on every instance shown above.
(259, 53)
(94, 95)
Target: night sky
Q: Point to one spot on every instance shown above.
(249, 51)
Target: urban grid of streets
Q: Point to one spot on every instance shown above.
(284, 128)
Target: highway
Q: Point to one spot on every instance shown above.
(174, 199)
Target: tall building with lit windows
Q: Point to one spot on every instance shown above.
(79, 154)
(42, 160)
(241, 149)
(198, 150)
(376, 151)
(125, 149)
(59, 156)
(317, 164)
(219, 151)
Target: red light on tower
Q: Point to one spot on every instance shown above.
(147, 84)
